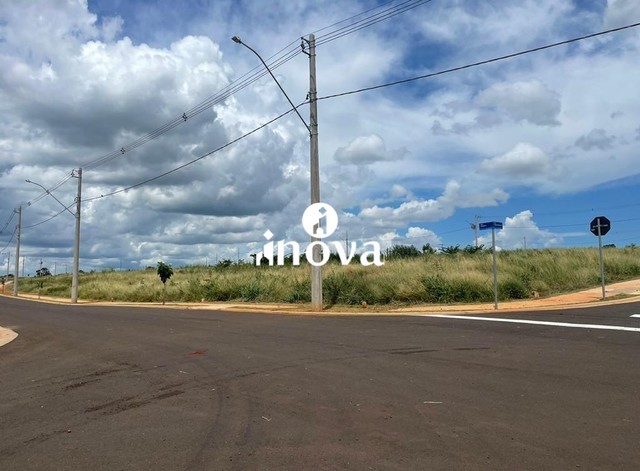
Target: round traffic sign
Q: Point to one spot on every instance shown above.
(600, 226)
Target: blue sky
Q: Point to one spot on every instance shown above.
(542, 143)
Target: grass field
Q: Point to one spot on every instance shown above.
(431, 278)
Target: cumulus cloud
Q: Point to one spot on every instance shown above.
(399, 191)
(416, 236)
(75, 85)
(619, 12)
(519, 230)
(364, 150)
(596, 139)
(435, 209)
(522, 162)
(530, 101)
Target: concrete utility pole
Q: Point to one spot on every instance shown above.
(8, 261)
(76, 248)
(18, 232)
(495, 269)
(316, 271)
(474, 226)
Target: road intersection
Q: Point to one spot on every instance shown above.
(105, 387)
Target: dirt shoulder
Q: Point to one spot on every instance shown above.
(616, 293)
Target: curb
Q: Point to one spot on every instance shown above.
(301, 310)
(6, 336)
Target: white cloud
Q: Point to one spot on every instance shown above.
(365, 150)
(596, 139)
(530, 101)
(436, 209)
(519, 230)
(399, 191)
(522, 162)
(621, 12)
(73, 87)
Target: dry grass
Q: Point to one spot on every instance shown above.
(436, 278)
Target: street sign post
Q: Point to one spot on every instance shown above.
(493, 226)
(600, 226)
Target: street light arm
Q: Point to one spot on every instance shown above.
(237, 40)
(51, 194)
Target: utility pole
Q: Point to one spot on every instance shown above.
(495, 268)
(316, 271)
(525, 242)
(18, 234)
(8, 261)
(474, 226)
(76, 248)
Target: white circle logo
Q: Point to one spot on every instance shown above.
(320, 220)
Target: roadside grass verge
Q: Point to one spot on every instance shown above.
(429, 278)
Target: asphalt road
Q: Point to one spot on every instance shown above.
(106, 388)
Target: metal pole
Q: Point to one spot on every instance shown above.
(475, 228)
(316, 272)
(8, 261)
(17, 273)
(76, 248)
(601, 258)
(495, 269)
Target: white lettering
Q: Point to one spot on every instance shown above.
(325, 251)
(375, 252)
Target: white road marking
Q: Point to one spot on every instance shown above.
(635, 315)
(525, 321)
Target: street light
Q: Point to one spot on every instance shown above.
(52, 195)
(316, 271)
(76, 246)
(237, 40)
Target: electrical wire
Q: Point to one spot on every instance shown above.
(6, 224)
(371, 20)
(278, 59)
(149, 180)
(10, 239)
(49, 219)
(477, 64)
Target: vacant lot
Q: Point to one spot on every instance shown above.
(429, 278)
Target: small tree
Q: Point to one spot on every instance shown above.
(164, 272)
(427, 249)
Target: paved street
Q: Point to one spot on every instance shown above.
(112, 388)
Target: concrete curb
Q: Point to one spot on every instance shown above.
(6, 336)
(505, 308)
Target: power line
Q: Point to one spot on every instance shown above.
(52, 217)
(477, 64)
(371, 20)
(6, 224)
(10, 239)
(149, 180)
(281, 57)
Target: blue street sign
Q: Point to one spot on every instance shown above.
(490, 225)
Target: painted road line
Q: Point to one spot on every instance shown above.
(635, 315)
(525, 321)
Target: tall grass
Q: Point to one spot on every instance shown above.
(432, 278)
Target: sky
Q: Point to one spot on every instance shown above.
(542, 142)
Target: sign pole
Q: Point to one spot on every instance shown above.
(495, 269)
(601, 258)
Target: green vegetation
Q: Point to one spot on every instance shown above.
(165, 272)
(457, 276)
